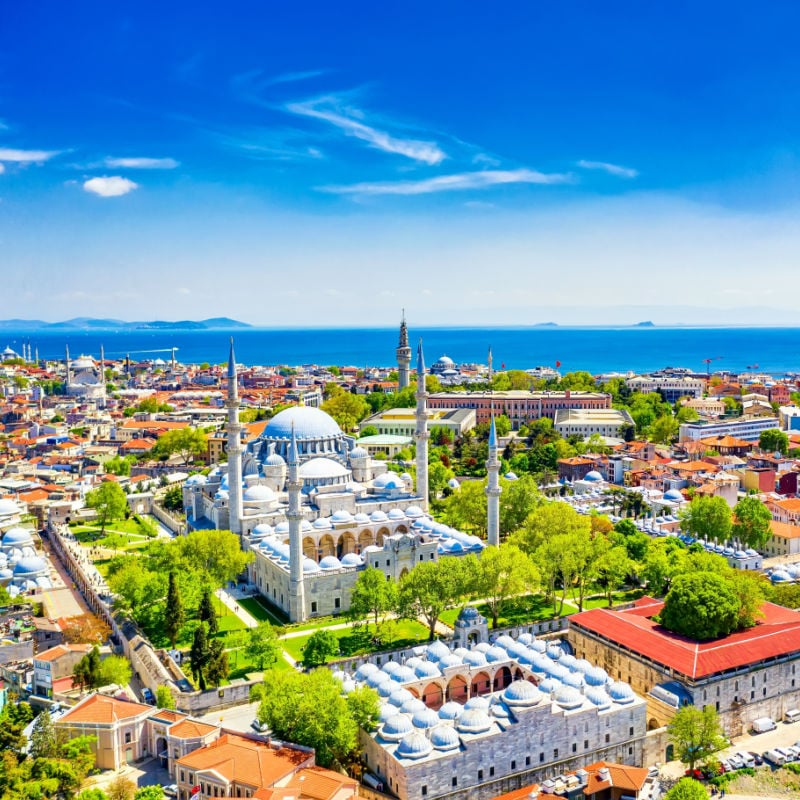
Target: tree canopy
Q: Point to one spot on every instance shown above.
(751, 522)
(109, 501)
(774, 441)
(695, 734)
(708, 518)
(189, 443)
(701, 605)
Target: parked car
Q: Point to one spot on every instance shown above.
(746, 759)
(735, 761)
(757, 758)
(171, 790)
(763, 724)
(775, 758)
(793, 715)
(259, 727)
(148, 696)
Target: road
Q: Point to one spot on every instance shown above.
(237, 718)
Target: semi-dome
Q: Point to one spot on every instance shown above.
(396, 727)
(444, 737)
(320, 468)
(474, 720)
(521, 693)
(308, 422)
(258, 494)
(17, 537)
(451, 710)
(29, 566)
(425, 718)
(415, 745)
(621, 692)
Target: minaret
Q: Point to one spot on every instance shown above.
(69, 369)
(36, 355)
(421, 436)
(493, 488)
(490, 371)
(403, 356)
(294, 516)
(234, 448)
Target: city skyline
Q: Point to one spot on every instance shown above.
(321, 164)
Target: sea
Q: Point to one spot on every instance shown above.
(597, 350)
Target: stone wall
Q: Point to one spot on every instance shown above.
(236, 693)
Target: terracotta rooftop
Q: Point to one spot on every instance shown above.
(776, 634)
(101, 709)
(61, 650)
(784, 529)
(318, 783)
(191, 729)
(244, 761)
(622, 776)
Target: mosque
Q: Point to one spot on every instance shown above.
(21, 569)
(85, 378)
(315, 509)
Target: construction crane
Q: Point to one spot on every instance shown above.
(707, 362)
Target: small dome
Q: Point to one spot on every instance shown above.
(404, 675)
(569, 697)
(621, 692)
(375, 679)
(321, 524)
(477, 702)
(494, 654)
(549, 685)
(412, 706)
(568, 661)
(450, 660)
(29, 566)
(310, 566)
(425, 718)
(596, 676)
(453, 483)
(330, 562)
(554, 652)
(414, 512)
(582, 665)
(282, 528)
(258, 494)
(17, 537)
(198, 479)
(521, 693)
(396, 727)
(386, 688)
(499, 710)
(399, 696)
(674, 496)
(444, 737)
(359, 452)
(598, 697)
(361, 518)
(511, 476)
(396, 514)
(352, 560)
(262, 529)
(474, 720)
(451, 710)
(389, 481)
(593, 476)
(415, 745)
(387, 711)
(427, 669)
(574, 679)
(274, 460)
(504, 641)
(526, 639)
(307, 423)
(390, 667)
(341, 516)
(348, 686)
(320, 468)
(475, 658)
(437, 650)
(378, 516)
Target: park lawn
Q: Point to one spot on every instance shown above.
(227, 621)
(360, 641)
(260, 611)
(240, 665)
(618, 598)
(524, 610)
(118, 525)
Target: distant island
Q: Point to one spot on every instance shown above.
(646, 324)
(546, 325)
(90, 323)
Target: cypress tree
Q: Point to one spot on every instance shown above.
(206, 611)
(199, 656)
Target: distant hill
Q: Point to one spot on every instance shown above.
(83, 323)
(646, 324)
(546, 325)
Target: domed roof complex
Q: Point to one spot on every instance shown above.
(308, 423)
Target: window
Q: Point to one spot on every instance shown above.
(491, 772)
(480, 774)
(128, 738)
(314, 607)
(585, 744)
(555, 753)
(574, 747)
(630, 731)
(608, 738)
(425, 791)
(337, 602)
(454, 782)
(527, 761)
(513, 765)
(388, 563)
(541, 757)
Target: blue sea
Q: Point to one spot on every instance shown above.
(774, 350)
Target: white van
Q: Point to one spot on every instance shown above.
(793, 715)
(763, 724)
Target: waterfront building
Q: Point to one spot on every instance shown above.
(519, 406)
(749, 674)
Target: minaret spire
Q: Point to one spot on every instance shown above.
(421, 436)
(490, 371)
(403, 355)
(234, 448)
(294, 516)
(493, 488)
(69, 368)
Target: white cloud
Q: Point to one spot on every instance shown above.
(293, 77)
(26, 156)
(329, 109)
(2, 169)
(448, 183)
(141, 163)
(611, 169)
(113, 186)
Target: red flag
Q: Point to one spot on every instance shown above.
(558, 364)
(503, 365)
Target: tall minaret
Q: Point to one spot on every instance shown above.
(234, 448)
(69, 369)
(403, 355)
(36, 355)
(493, 488)
(102, 363)
(490, 371)
(421, 436)
(294, 516)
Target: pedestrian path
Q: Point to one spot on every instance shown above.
(230, 602)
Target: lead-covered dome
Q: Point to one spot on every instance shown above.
(415, 745)
(309, 423)
(521, 693)
(444, 737)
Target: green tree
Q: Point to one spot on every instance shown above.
(364, 707)
(206, 611)
(199, 656)
(700, 605)
(372, 594)
(118, 465)
(87, 672)
(149, 793)
(217, 555)
(664, 429)
(752, 522)
(262, 645)
(121, 788)
(687, 789)
(321, 646)
(707, 518)
(438, 477)
(91, 794)
(308, 708)
(504, 572)
(189, 443)
(613, 568)
(13, 719)
(695, 734)
(174, 613)
(369, 430)
(347, 409)
(43, 742)
(115, 669)
(109, 501)
(218, 668)
(546, 521)
(518, 499)
(428, 590)
(164, 697)
(774, 441)
(173, 499)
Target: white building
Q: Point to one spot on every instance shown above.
(673, 387)
(747, 429)
(587, 421)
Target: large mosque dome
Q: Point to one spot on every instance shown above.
(309, 423)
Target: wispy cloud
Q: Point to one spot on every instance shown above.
(2, 168)
(113, 186)
(294, 77)
(27, 156)
(270, 145)
(450, 183)
(351, 122)
(141, 163)
(611, 169)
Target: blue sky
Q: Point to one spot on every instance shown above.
(474, 163)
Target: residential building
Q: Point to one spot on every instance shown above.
(57, 662)
(784, 539)
(789, 417)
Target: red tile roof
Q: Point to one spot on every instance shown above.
(101, 709)
(777, 634)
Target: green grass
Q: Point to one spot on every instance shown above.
(257, 609)
(360, 641)
(524, 610)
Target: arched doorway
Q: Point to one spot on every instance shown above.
(309, 548)
(347, 544)
(670, 753)
(326, 546)
(162, 751)
(433, 696)
(401, 529)
(457, 689)
(481, 684)
(365, 539)
(403, 572)
(381, 536)
(653, 724)
(502, 678)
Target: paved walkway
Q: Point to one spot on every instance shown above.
(228, 600)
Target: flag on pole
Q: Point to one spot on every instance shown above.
(558, 364)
